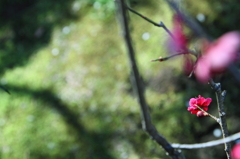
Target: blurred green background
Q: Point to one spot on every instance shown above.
(66, 67)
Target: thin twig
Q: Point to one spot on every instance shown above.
(138, 87)
(220, 95)
(147, 19)
(208, 144)
(181, 53)
(161, 24)
(215, 118)
(168, 57)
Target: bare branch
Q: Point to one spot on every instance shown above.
(220, 95)
(208, 144)
(168, 57)
(138, 86)
(161, 24)
(147, 19)
(180, 53)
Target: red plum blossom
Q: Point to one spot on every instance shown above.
(201, 102)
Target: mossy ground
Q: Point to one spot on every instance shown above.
(72, 97)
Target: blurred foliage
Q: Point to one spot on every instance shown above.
(219, 16)
(66, 68)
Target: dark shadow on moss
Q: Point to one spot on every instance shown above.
(26, 26)
(96, 144)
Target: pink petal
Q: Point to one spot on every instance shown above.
(207, 102)
(192, 102)
(190, 108)
(200, 101)
(193, 109)
(179, 42)
(202, 71)
(221, 53)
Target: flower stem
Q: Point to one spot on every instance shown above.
(215, 118)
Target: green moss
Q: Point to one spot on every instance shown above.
(71, 96)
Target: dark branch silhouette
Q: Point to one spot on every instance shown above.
(138, 86)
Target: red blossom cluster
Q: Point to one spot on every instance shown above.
(201, 102)
(215, 57)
